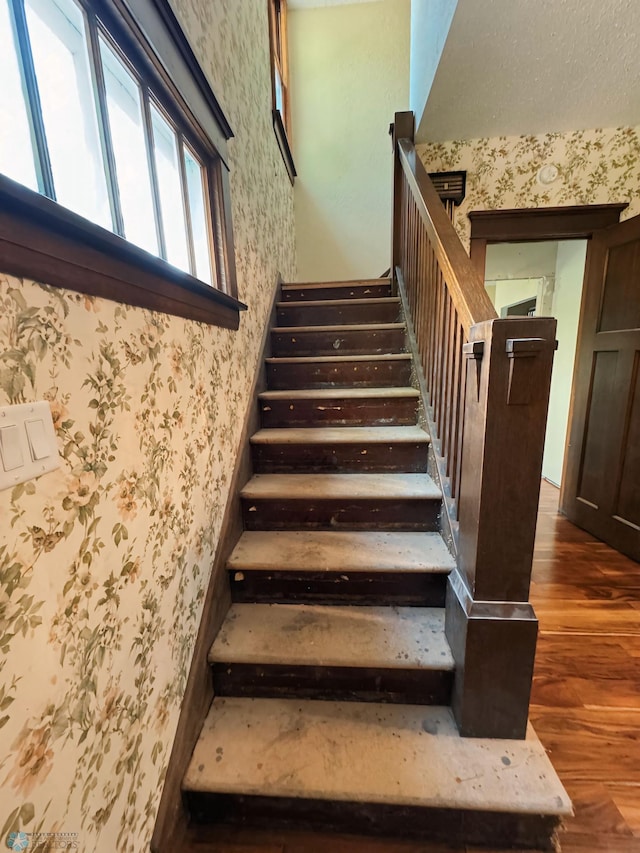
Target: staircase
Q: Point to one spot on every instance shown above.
(332, 673)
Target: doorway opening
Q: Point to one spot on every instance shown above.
(543, 279)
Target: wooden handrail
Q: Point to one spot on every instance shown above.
(485, 389)
(464, 283)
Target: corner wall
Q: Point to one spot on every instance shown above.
(105, 562)
(349, 69)
(594, 167)
(430, 24)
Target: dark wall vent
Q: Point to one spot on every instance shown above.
(450, 186)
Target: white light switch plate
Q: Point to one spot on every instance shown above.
(28, 445)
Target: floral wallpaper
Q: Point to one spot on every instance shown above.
(594, 167)
(104, 563)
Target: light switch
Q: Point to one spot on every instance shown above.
(38, 440)
(12, 457)
(28, 443)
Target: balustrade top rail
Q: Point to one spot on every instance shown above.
(465, 285)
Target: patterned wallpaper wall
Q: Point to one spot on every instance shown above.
(104, 563)
(594, 167)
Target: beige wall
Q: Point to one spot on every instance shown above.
(594, 167)
(349, 67)
(566, 309)
(104, 563)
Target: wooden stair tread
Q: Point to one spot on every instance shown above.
(368, 753)
(328, 303)
(342, 393)
(340, 551)
(391, 487)
(323, 359)
(341, 435)
(333, 636)
(335, 327)
(357, 282)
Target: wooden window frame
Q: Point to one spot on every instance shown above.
(279, 57)
(43, 240)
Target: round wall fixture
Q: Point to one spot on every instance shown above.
(547, 174)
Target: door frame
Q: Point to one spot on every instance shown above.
(532, 225)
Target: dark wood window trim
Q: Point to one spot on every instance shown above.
(537, 223)
(278, 52)
(42, 240)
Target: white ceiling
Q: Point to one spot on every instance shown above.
(314, 4)
(520, 260)
(532, 66)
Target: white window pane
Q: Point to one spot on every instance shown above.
(165, 147)
(59, 47)
(16, 152)
(199, 230)
(279, 92)
(124, 106)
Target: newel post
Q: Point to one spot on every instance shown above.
(402, 128)
(490, 625)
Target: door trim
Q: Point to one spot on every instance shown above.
(532, 224)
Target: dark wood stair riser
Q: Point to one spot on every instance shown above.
(337, 411)
(340, 684)
(452, 826)
(399, 457)
(348, 312)
(402, 589)
(356, 291)
(343, 514)
(352, 342)
(393, 373)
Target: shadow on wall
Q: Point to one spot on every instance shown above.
(313, 255)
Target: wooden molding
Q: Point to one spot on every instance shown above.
(283, 143)
(42, 240)
(542, 223)
(172, 818)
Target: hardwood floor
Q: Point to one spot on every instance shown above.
(586, 691)
(585, 702)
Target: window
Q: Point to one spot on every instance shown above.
(114, 126)
(280, 80)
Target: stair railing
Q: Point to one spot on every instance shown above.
(486, 387)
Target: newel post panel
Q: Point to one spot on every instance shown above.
(402, 128)
(490, 625)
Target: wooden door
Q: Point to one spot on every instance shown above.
(601, 484)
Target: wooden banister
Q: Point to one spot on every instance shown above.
(464, 283)
(485, 384)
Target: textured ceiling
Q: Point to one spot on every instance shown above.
(532, 66)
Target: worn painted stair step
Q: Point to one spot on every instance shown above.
(324, 312)
(339, 407)
(358, 289)
(378, 768)
(372, 339)
(341, 501)
(343, 449)
(393, 654)
(325, 566)
(339, 371)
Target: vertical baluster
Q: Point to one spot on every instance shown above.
(421, 319)
(441, 291)
(431, 317)
(428, 331)
(460, 407)
(451, 391)
(434, 327)
(448, 372)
